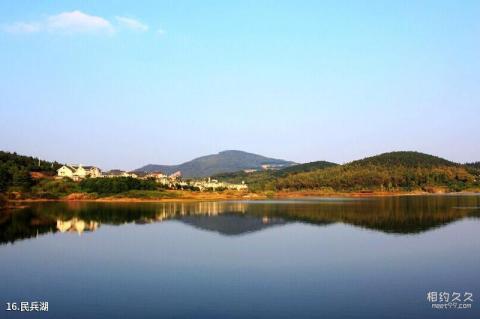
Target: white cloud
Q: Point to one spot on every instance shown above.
(132, 24)
(65, 22)
(77, 21)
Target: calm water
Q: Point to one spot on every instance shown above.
(329, 258)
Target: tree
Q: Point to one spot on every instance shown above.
(5, 178)
(21, 178)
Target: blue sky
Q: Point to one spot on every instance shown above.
(121, 84)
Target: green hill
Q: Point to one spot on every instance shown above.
(395, 171)
(406, 159)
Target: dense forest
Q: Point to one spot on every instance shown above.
(15, 171)
(109, 186)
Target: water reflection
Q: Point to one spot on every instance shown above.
(398, 215)
(76, 225)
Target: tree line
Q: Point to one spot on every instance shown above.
(15, 170)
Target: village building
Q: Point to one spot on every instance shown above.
(215, 185)
(159, 177)
(140, 174)
(155, 175)
(78, 172)
(119, 173)
(176, 175)
(173, 181)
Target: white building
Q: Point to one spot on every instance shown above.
(159, 177)
(78, 172)
(214, 185)
(119, 173)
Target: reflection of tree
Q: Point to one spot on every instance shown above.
(22, 224)
(401, 215)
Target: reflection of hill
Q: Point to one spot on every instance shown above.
(231, 224)
(400, 215)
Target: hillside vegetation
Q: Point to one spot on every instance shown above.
(475, 165)
(15, 170)
(395, 171)
(266, 179)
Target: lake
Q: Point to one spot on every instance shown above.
(308, 258)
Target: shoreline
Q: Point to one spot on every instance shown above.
(197, 197)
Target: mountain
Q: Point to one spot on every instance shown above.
(223, 162)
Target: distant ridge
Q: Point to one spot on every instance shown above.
(223, 162)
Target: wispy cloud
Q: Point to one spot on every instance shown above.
(73, 22)
(65, 22)
(22, 27)
(132, 24)
(77, 21)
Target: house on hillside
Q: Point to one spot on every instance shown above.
(119, 173)
(176, 175)
(140, 174)
(156, 175)
(78, 172)
(159, 177)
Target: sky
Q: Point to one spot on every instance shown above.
(120, 84)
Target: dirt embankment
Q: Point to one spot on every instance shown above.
(177, 196)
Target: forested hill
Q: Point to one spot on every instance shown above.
(30, 163)
(406, 159)
(475, 165)
(393, 171)
(15, 169)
